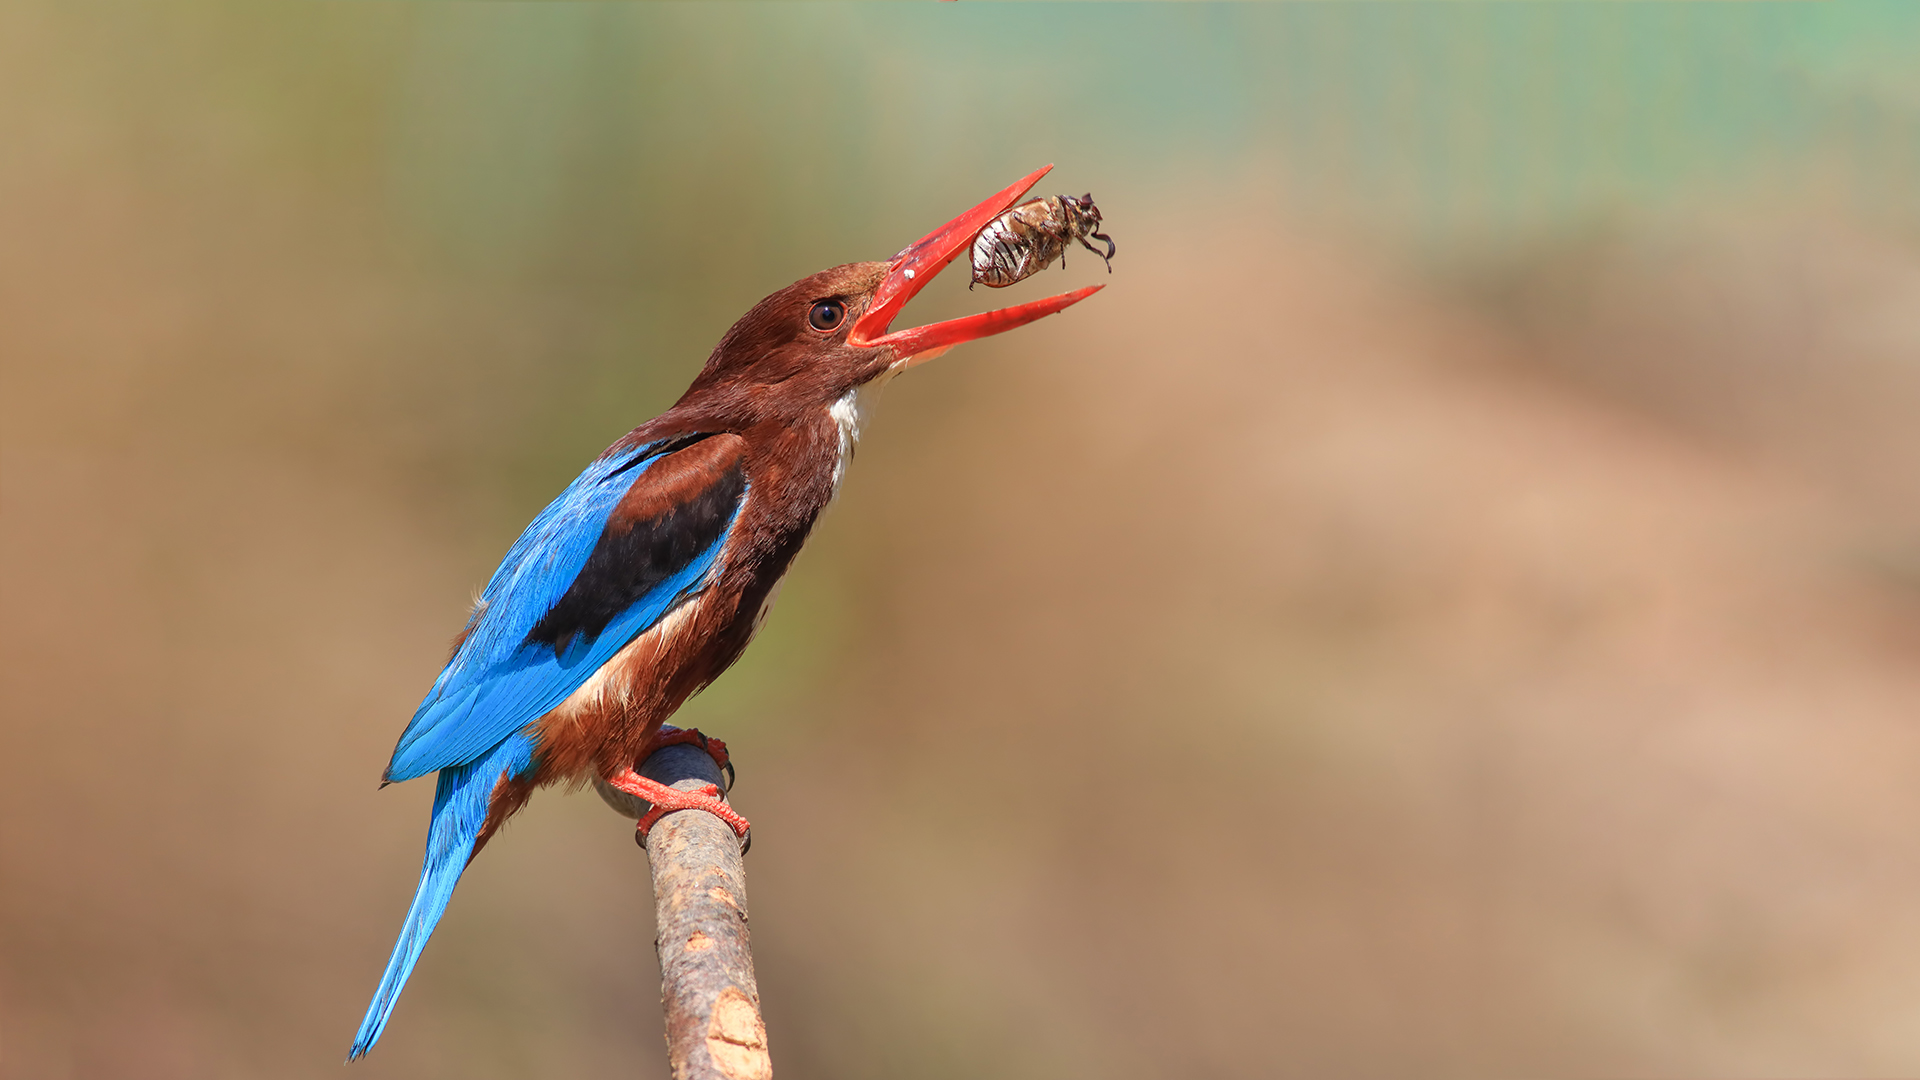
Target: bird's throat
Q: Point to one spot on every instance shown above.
(849, 413)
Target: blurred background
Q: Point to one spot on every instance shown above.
(1449, 608)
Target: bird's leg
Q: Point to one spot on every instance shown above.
(665, 800)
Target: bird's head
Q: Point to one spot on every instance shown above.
(830, 333)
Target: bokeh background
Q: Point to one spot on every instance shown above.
(1449, 608)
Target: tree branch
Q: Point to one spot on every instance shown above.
(714, 1029)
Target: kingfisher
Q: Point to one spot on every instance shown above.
(650, 574)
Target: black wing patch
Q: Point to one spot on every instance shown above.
(679, 507)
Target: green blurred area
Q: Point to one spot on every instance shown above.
(1447, 607)
(649, 168)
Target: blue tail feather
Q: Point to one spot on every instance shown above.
(460, 805)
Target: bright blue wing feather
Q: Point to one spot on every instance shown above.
(498, 682)
(460, 806)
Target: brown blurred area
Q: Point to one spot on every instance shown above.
(1305, 658)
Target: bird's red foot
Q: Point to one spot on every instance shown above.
(665, 800)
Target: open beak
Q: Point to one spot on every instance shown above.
(917, 265)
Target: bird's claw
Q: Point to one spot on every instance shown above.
(705, 797)
(715, 748)
(663, 800)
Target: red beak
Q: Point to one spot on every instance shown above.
(917, 265)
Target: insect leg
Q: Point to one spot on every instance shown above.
(1110, 248)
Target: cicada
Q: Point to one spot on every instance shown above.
(1026, 239)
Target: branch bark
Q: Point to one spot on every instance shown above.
(714, 1029)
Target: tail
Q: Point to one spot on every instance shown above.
(460, 806)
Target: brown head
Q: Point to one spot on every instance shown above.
(827, 334)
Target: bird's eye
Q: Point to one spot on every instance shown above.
(826, 315)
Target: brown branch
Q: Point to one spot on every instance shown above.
(714, 1030)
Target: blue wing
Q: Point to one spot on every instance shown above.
(504, 675)
(630, 538)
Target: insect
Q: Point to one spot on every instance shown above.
(1026, 239)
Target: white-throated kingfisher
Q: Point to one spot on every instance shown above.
(652, 571)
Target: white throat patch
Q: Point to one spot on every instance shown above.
(849, 413)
